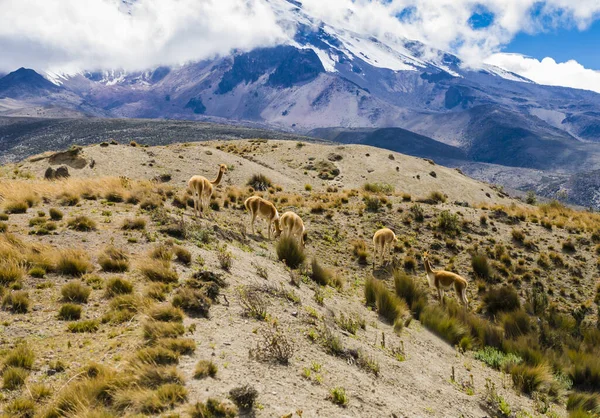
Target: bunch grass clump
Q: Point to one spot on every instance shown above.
(75, 291)
(290, 252)
(114, 260)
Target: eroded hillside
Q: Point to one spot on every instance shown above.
(117, 302)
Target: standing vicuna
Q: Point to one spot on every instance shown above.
(382, 238)
(264, 209)
(292, 226)
(202, 190)
(442, 280)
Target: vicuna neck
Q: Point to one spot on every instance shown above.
(428, 268)
(218, 179)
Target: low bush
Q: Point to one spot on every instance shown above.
(438, 197)
(73, 263)
(13, 378)
(497, 359)
(501, 299)
(82, 223)
(205, 368)
(481, 266)
(192, 301)
(290, 252)
(83, 326)
(16, 302)
(244, 397)
(21, 356)
(158, 271)
(69, 312)
(320, 274)
(212, 408)
(155, 330)
(413, 293)
(75, 291)
(114, 260)
(274, 346)
(448, 223)
(56, 214)
(259, 182)
(134, 224)
(384, 188)
(529, 379)
(359, 249)
(449, 328)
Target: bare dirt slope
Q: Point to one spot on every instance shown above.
(285, 163)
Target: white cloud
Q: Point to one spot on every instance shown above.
(69, 35)
(548, 71)
(96, 34)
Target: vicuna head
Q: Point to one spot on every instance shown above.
(223, 168)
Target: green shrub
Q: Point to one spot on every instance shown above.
(290, 252)
(69, 312)
(501, 299)
(118, 286)
(82, 223)
(75, 291)
(338, 396)
(496, 359)
(448, 223)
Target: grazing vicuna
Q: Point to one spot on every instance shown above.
(202, 190)
(442, 280)
(383, 238)
(259, 207)
(291, 225)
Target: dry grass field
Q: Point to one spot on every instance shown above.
(116, 301)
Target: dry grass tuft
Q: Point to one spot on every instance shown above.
(16, 302)
(75, 291)
(73, 263)
(114, 260)
(158, 271)
(118, 286)
(205, 368)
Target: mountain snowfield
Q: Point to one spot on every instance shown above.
(326, 78)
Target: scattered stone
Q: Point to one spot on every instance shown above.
(50, 174)
(62, 172)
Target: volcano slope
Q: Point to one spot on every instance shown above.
(117, 302)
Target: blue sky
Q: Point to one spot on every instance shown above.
(563, 44)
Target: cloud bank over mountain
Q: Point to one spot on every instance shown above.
(72, 35)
